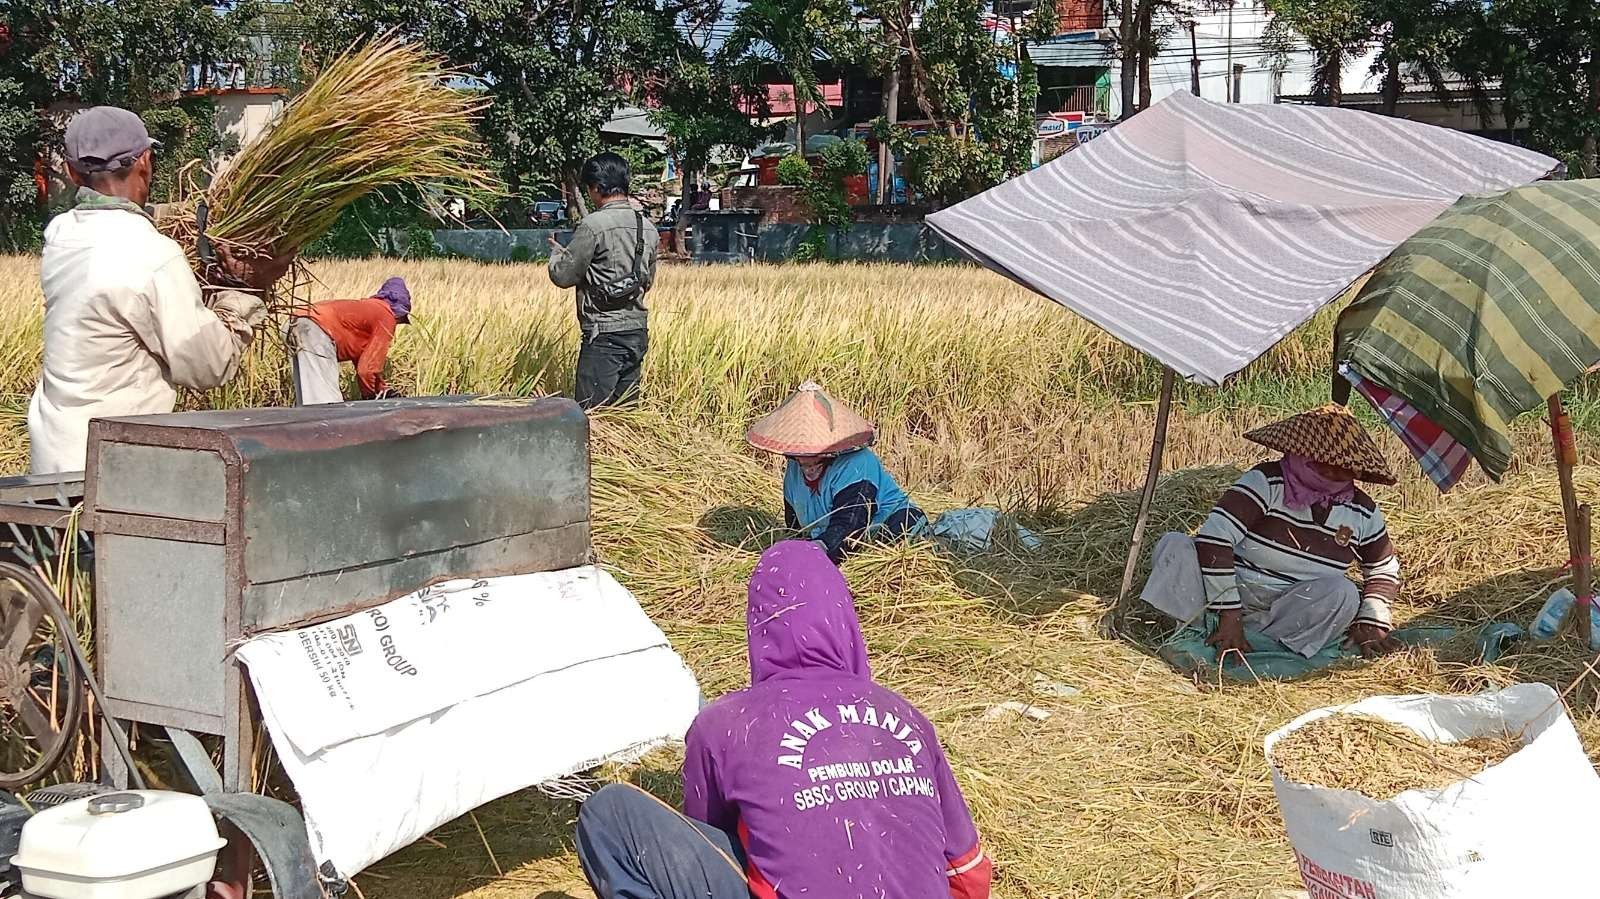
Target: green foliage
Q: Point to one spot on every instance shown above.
(823, 195)
(552, 71)
(1541, 52)
(365, 228)
(792, 35)
(1334, 30)
(845, 159)
(19, 136)
(947, 169)
(1550, 72)
(189, 139)
(794, 171)
(702, 104)
(643, 159)
(130, 53)
(985, 127)
(988, 122)
(813, 248)
(520, 253)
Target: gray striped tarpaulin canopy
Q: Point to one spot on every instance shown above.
(1203, 233)
(1485, 313)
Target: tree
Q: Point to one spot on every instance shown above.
(701, 107)
(554, 70)
(1546, 56)
(700, 101)
(135, 52)
(132, 53)
(793, 36)
(1146, 27)
(1335, 30)
(19, 144)
(984, 102)
(1418, 41)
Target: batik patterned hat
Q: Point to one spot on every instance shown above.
(1330, 435)
(811, 423)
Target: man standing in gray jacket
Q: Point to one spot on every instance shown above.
(611, 260)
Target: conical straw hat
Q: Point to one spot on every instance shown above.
(811, 423)
(1330, 435)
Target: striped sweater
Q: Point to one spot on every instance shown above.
(1252, 539)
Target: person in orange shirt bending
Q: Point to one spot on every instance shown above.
(336, 331)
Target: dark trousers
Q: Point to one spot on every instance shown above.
(609, 367)
(633, 846)
(903, 522)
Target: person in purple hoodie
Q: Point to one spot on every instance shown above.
(812, 782)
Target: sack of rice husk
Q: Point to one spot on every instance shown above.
(1438, 797)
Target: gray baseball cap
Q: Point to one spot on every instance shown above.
(106, 138)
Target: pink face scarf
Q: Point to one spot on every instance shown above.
(1304, 487)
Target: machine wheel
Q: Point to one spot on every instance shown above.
(41, 692)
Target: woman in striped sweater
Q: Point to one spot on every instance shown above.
(1267, 571)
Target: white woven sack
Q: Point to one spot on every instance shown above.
(1520, 828)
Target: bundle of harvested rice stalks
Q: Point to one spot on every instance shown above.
(379, 116)
(1382, 759)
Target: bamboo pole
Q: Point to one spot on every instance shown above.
(1157, 447)
(1583, 575)
(1566, 453)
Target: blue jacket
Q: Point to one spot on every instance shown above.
(856, 494)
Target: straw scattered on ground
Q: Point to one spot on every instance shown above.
(1382, 759)
(1144, 784)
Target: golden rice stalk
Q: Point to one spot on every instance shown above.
(378, 116)
(1381, 759)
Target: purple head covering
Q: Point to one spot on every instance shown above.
(1305, 487)
(836, 786)
(394, 293)
(801, 617)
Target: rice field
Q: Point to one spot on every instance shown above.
(1144, 784)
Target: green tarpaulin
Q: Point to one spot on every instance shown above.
(1485, 313)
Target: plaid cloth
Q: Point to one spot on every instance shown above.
(1443, 458)
(1486, 313)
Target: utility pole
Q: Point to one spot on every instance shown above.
(1016, 63)
(1129, 60)
(1233, 91)
(1238, 80)
(1194, 62)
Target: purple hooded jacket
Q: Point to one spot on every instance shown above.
(836, 787)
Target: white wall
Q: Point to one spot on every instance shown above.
(1169, 72)
(241, 114)
(245, 115)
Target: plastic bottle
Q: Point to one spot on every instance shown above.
(1553, 613)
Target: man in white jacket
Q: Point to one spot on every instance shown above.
(124, 322)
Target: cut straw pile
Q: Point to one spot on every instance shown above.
(1382, 759)
(379, 116)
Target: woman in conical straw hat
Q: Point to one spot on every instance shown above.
(835, 490)
(1267, 572)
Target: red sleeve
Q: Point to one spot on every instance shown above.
(970, 875)
(369, 368)
(967, 865)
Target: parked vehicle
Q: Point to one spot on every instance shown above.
(549, 212)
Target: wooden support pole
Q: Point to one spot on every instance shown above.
(1583, 575)
(1157, 447)
(1566, 452)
